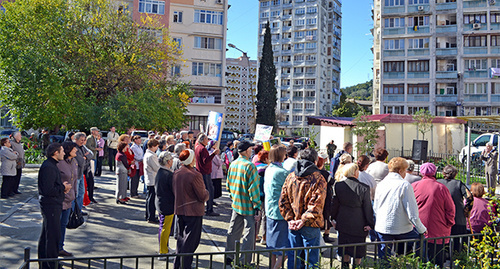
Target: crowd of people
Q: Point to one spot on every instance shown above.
(283, 196)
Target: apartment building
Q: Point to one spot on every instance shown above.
(241, 91)
(306, 46)
(200, 27)
(438, 55)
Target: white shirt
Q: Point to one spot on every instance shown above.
(366, 178)
(378, 170)
(138, 154)
(290, 164)
(151, 167)
(395, 206)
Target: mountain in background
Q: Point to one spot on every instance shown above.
(361, 91)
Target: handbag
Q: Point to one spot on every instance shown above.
(75, 218)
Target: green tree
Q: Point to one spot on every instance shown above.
(71, 63)
(266, 89)
(361, 91)
(345, 108)
(423, 120)
(367, 129)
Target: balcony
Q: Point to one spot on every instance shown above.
(284, 123)
(297, 110)
(285, 99)
(310, 87)
(297, 98)
(284, 111)
(418, 52)
(394, 31)
(206, 96)
(393, 97)
(446, 29)
(494, 50)
(298, 86)
(476, 73)
(474, 4)
(446, 74)
(446, 98)
(418, 98)
(446, 6)
(418, 8)
(417, 75)
(393, 10)
(285, 87)
(310, 99)
(310, 111)
(476, 98)
(394, 75)
(420, 30)
(495, 26)
(394, 53)
(446, 51)
(286, 28)
(495, 98)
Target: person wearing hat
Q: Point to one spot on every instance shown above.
(151, 135)
(436, 210)
(243, 185)
(164, 200)
(204, 166)
(190, 197)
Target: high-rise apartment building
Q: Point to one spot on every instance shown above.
(241, 83)
(437, 55)
(306, 46)
(200, 27)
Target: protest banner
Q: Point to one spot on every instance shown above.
(215, 124)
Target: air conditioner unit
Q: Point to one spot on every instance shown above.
(421, 8)
(219, 1)
(476, 26)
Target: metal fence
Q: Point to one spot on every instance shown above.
(261, 257)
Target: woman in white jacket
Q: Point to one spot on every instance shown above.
(8, 168)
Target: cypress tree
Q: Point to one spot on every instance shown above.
(266, 89)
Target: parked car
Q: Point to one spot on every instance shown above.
(478, 145)
(247, 137)
(226, 136)
(142, 133)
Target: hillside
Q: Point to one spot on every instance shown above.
(362, 91)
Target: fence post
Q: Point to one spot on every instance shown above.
(27, 251)
(422, 237)
(237, 254)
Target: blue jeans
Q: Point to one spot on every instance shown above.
(305, 237)
(399, 248)
(64, 222)
(80, 191)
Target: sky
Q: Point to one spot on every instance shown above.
(356, 56)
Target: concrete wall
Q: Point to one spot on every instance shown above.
(339, 135)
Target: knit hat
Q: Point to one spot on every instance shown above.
(428, 169)
(186, 156)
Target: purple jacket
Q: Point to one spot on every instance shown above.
(216, 167)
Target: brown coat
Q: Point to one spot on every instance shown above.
(190, 192)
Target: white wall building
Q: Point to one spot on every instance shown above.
(306, 46)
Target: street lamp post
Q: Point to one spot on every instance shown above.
(247, 59)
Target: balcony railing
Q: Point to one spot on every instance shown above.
(474, 4)
(418, 52)
(394, 31)
(394, 75)
(393, 10)
(389, 53)
(446, 28)
(476, 74)
(393, 97)
(446, 6)
(445, 98)
(419, 30)
(417, 97)
(446, 51)
(417, 75)
(476, 98)
(446, 74)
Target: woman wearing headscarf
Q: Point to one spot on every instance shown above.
(458, 192)
(436, 210)
(190, 197)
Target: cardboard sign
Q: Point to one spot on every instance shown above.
(215, 124)
(263, 132)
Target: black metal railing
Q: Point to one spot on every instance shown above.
(261, 257)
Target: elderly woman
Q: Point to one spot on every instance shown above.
(353, 213)
(100, 154)
(277, 227)
(458, 192)
(8, 168)
(320, 163)
(190, 197)
(436, 210)
(177, 150)
(481, 209)
(344, 159)
(164, 200)
(217, 173)
(379, 169)
(364, 177)
(69, 172)
(262, 162)
(122, 166)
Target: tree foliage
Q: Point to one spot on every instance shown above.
(266, 89)
(86, 62)
(368, 130)
(423, 120)
(361, 91)
(345, 108)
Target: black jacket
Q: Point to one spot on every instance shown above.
(165, 199)
(50, 186)
(352, 207)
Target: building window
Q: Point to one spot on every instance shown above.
(276, 2)
(275, 13)
(312, 9)
(264, 14)
(285, 82)
(207, 16)
(474, 18)
(311, 57)
(299, 46)
(310, 82)
(475, 64)
(310, 94)
(207, 43)
(475, 41)
(264, 4)
(176, 70)
(495, 88)
(414, 109)
(394, 89)
(275, 25)
(418, 2)
(394, 66)
(310, 106)
(495, 63)
(300, 58)
(311, 45)
(394, 22)
(299, 22)
(418, 88)
(298, 70)
(394, 109)
(311, 21)
(475, 88)
(495, 40)
(310, 69)
(297, 106)
(297, 118)
(495, 17)
(178, 16)
(207, 69)
(394, 44)
(418, 43)
(418, 66)
(178, 42)
(298, 82)
(300, 11)
(152, 7)
(391, 3)
(418, 21)
(299, 34)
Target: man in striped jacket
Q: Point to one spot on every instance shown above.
(243, 186)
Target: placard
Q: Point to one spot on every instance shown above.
(263, 132)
